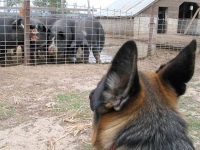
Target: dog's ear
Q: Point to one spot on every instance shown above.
(122, 78)
(180, 70)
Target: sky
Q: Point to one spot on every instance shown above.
(94, 3)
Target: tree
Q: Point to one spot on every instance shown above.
(51, 3)
(11, 3)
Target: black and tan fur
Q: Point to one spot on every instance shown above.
(137, 110)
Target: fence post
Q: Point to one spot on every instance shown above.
(191, 21)
(89, 10)
(26, 31)
(151, 26)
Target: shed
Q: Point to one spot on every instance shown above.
(170, 16)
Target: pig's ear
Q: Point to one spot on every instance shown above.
(44, 28)
(61, 34)
(41, 27)
(17, 22)
(48, 30)
(32, 26)
(85, 42)
(73, 44)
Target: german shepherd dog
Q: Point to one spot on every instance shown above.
(137, 110)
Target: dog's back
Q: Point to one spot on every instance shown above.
(136, 110)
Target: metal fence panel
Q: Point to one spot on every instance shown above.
(60, 34)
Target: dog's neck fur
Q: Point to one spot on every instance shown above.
(160, 125)
(138, 110)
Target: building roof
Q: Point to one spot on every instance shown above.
(125, 8)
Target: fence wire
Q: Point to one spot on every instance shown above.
(63, 33)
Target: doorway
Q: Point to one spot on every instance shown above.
(162, 17)
(186, 13)
(187, 10)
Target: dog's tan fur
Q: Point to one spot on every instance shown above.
(112, 123)
(138, 110)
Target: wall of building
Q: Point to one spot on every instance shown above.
(173, 7)
(173, 23)
(137, 28)
(141, 25)
(118, 26)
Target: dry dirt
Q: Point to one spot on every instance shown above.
(28, 121)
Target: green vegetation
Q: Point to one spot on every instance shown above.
(190, 107)
(197, 85)
(187, 102)
(87, 146)
(193, 123)
(193, 128)
(12, 3)
(50, 3)
(53, 4)
(78, 103)
(6, 111)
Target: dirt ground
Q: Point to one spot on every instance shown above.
(35, 116)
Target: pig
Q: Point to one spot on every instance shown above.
(48, 21)
(60, 37)
(38, 38)
(11, 35)
(89, 34)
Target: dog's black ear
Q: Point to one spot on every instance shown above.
(122, 78)
(180, 70)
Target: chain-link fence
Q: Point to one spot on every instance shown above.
(39, 32)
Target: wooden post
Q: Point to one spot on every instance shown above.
(188, 27)
(26, 31)
(151, 26)
(62, 9)
(89, 10)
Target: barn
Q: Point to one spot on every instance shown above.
(154, 23)
(170, 16)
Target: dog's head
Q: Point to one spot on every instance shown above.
(125, 99)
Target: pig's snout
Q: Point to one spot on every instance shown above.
(52, 50)
(34, 35)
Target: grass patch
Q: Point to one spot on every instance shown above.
(193, 85)
(87, 146)
(193, 123)
(72, 101)
(187, 103)
(67, 98)
(197, 85)
(6, 111)
(190, 107)
(79, 102)
(193, 128)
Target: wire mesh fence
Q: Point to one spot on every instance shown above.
(64, 33)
